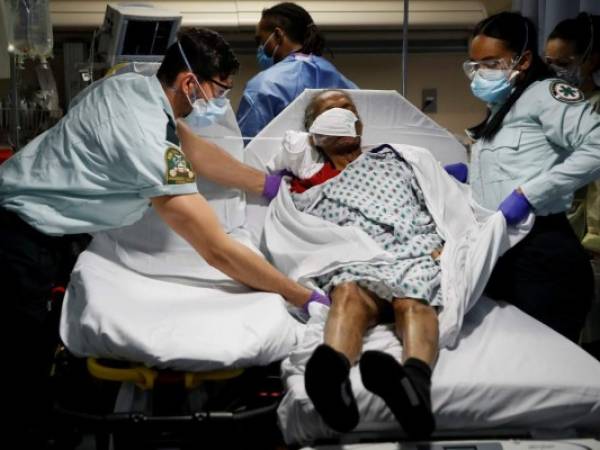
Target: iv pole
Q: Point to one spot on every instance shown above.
(404, 48)
(15, 126)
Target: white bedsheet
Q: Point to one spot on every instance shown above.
(508, 371)
(204, 323)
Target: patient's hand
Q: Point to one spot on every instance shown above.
(437, 253)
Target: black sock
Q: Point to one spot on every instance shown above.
(404, 388)
(419, 373)
(327, 384)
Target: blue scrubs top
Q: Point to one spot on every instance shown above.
(100, 165)
(270, 91)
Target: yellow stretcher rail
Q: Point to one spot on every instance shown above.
(145, 377)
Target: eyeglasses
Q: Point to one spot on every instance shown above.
(488, 68)
(225, 89)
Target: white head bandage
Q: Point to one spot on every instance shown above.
(335, 122)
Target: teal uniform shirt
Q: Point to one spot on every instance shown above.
(549, 145)
(99, 166)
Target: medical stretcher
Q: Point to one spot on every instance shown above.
(227, 409)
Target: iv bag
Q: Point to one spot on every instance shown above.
(30, 29)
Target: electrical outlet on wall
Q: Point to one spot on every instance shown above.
(429, 100)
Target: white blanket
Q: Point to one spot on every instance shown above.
(199, 323)
(304, 246)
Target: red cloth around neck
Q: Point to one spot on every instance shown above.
(327, 171)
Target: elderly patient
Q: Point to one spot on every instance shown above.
(377, 192)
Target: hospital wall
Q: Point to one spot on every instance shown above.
(457, 109)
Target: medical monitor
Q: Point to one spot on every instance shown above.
(134, 32)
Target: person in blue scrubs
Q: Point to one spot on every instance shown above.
(121, 149)
(538, 144)
(289, 53)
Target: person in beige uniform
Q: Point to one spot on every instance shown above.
(573, 51)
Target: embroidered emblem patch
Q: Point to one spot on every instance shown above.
(566, 93)
(179, 170)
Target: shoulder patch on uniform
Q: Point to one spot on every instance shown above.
(566, 93)
(179, 170)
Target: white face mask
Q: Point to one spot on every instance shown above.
(335, 130)
(335, 122)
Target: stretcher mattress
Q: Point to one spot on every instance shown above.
(508, 371)
(208, 322)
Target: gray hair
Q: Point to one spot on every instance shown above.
(310, 114)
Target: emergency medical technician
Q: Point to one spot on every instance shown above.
(115, 154)
(538, 144)
(289, 53)
(573, 52)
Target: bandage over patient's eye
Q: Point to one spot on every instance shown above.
(335, 122)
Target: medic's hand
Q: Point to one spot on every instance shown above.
(272, 183)
(515, 208)
(316, 296)
(460, 171)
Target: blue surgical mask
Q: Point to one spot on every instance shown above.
(204, 113)
(265, 61)
(492, 91)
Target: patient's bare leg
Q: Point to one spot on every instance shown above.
(353, 311)
(417, 328)
(406, 388)
(326, 378)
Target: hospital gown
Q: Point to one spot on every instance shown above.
(379, 193)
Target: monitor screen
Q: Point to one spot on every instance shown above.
(147, 37)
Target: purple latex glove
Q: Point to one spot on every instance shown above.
(316, 296)
(515, 208)
(272, 182)
(460, 171)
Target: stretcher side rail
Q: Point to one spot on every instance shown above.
(145, 377)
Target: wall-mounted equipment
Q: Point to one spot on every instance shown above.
(133, 32)
(429, 100)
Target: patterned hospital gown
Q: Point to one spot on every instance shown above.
(379, 193)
